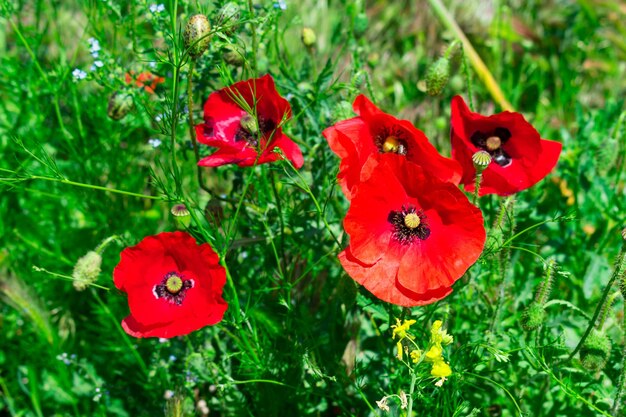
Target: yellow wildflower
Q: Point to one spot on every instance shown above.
(434, 354)
(441, 369)
(416, 355)
(439, 335)
(400, 329)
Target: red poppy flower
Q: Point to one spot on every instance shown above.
(243, 120)
(374, 132)
(520, 158)
(174, 286)
(145, 80)
(411, 235)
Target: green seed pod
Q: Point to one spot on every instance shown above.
(249, 124)
(196, 35)
(181, 215)
(86, 270)
(595, 351)
(308, 37)
(481, 160)
(437, 76)
(233, 55)
(227, 18)
(120, 104)
(533, 317)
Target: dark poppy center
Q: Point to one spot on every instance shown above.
(409, 224)
(253, 130)
(492, 143)
(391, 140)
(173, 288)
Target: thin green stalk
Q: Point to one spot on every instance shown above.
(192, 126)
(619, 265)
(479, 177)
(123, 335)
(411, 391)
(95, 187)
(491, 381)
(479, 66)
(254, 39)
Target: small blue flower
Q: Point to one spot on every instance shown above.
(79, 74)
(280, 4)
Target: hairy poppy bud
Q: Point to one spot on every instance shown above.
(120, 104)
(360, 24)
(86, 270)
(595, 351)
(534, 316)
(233, 55)
(308, 37)
(227, 17)
(197, 35)
(437, 76)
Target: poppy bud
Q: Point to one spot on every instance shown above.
(360, 24)
(437, 76)
(86, 270)
(196, 35)
(595, 351)
(481, 160)
(533, 317)
(308, 37)
(233, 55)
(181, 215)
(227, 17)
(120, 104)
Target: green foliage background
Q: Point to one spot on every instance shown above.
(306, 340)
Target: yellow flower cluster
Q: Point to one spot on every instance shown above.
(438, 337)
(400, 330)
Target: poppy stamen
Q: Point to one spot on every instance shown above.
(492, 142)
(173, 288)
(409, 224)
(391, 144)
(391, 140)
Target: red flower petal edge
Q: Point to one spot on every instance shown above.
(374, 132)
(174, 286)
(520, 158)
(411, 235)
(244, 122)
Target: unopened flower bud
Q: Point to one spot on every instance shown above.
(120, 104)
(233, 55)
(308, 37)
(595, 352)
(86, 270)
(196, 35)
(227, 17)
(533, 317)
(360, 24)
(481, 160)
(437, 76)
(624, 234)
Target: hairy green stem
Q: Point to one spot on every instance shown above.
(619, 265)
(95, 187)
(254, 39)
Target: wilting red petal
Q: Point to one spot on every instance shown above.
(531, 158)
(156, 312)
